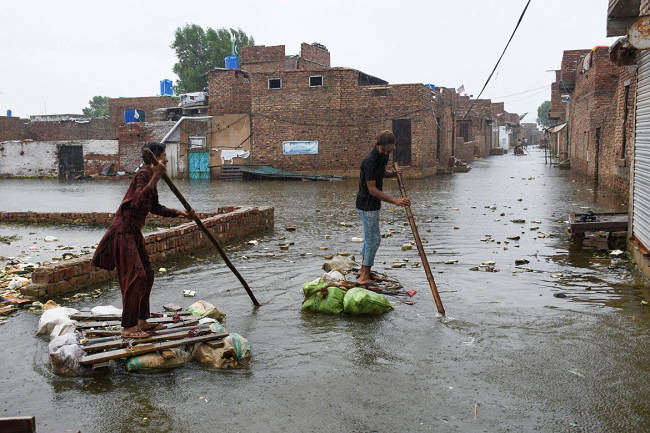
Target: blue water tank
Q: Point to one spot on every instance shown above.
(8, 113)
(232, 62)
(166, 87)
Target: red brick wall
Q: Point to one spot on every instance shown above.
(261, 58)
(590, 109)
(230, 91)
(342, 116)
(131, 139)
(96, 129)
(313, 58)
(116, 107)
(12, 128)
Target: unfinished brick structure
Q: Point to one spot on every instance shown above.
(12, 128)
(116, 107)
(260, 58)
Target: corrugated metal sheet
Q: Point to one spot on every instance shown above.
(641, 205)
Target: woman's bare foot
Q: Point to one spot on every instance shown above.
(133, 332)
(146, 326)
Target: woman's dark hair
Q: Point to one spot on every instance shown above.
(156, 148)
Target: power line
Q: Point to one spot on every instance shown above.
(499, 61)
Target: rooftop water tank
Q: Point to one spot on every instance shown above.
(166, 87)
(232, 62)
(8, 113)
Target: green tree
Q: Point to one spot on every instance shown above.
(97, 107)
(200, 50)
(542, 114)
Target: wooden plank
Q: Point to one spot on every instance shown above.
(101, 365)
(84, 315)
(7, 310)
(108, 323)
(141, 349)
(115, 343)
(173, 307)
(185, 324)
(215, 343)
(18, 425)
(170, 328)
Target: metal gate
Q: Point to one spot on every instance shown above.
(71, 161)
(641, 203)
(402, 131)
(199, 165)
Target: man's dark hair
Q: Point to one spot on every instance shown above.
(156, 148)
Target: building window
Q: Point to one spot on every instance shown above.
(275, 83)
(316, 81)
(379, 92)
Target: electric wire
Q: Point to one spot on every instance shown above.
(501, 57)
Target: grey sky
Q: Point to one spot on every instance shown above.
(57, 55)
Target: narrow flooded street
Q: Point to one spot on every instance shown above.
(508, 357)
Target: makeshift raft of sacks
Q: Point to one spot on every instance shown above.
(336, 291)
(85, 342)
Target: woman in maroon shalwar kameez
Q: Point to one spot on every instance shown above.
(122, 246)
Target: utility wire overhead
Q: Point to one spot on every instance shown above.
(501, 57)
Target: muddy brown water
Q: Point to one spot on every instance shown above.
(508, 357)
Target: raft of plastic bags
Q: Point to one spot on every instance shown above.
(329, 297)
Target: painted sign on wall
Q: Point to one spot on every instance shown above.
(300, 147)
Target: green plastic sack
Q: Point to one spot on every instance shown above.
(320, 298)
(361, 301)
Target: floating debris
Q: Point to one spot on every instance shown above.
(50, 239)
(406, 247)
(162, 270)
(451, 262)
(356, 240)
(475, 268)
(290, 229)
(254, 242)
(518, 221)
(489, 263)
(189, 293)
(322, 248)
(513, 238)
(520, 262)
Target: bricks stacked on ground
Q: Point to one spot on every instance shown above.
(74, 274)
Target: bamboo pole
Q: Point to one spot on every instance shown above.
(418, 243)
(203, 228)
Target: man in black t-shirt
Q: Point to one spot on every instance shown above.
(369, 198)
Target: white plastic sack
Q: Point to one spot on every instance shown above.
(106, 310)
(67, 327)
(235, 353)
(17, 283)
(65, 353)
(332, 276)
(53, 317)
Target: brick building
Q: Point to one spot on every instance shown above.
(596, 98)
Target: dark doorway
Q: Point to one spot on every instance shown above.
(463, 130)
(402, 131)
(71, 161)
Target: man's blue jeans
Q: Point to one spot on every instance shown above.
(371, 235)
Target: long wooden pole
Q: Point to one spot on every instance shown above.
(204, 229)
(418, 243)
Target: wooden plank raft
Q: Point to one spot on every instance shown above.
(144, 348)
(118, 342)
(110, 323)
(189, 323)
(84, 315)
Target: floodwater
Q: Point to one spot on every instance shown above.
(509, 356)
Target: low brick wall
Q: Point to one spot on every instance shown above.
(75, 274)
(91, 218)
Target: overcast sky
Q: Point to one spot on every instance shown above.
(56, 55)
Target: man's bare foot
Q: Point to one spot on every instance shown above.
(364, 275)
(133, 332)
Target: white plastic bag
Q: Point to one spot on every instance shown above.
(17, 283)
(332, 276)
(106, 310)
(65, 353)
(53, 317)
